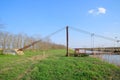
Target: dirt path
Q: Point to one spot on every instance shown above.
(34, 60)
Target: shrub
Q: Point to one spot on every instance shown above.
(81, 55)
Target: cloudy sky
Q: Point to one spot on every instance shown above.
(43, 17)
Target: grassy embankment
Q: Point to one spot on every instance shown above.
(53, 65)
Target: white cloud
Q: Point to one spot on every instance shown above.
(97, 11)
(101, 10)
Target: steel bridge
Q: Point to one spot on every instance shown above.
(115, 50)
(98, 50)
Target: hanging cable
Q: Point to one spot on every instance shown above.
(54, 33)
(40, 40)
(89, 33)
(81, 31)
(107, 38)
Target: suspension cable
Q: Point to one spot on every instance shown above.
(81, 31)
(54, 33)
(40, 40)
(89, 33)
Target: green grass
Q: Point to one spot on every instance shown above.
(56, 67)
(11, 66)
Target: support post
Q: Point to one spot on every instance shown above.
(67, 41)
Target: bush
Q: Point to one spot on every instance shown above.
(81, 55)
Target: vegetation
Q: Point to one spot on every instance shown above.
(12, 41)
(53, 65)
(81, 55)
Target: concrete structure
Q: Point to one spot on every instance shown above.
(13, 52)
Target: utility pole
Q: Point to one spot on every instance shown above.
(67, 41)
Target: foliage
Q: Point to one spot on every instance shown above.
(17, 41)
(81, 55)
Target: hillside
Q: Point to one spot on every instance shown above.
(53, 65)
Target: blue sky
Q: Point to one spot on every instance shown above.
(46, 16)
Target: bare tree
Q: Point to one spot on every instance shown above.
(12, 41)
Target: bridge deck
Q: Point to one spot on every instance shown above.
(99, 50)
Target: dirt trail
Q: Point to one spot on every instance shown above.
(34, 60)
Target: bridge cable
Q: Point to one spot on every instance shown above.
(86, 32)
(54, 33)
(40, 40)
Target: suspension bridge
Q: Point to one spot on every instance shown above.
(97, 50)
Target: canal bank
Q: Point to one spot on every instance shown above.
(112, 59)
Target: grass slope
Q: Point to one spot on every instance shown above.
(56, 67)
(12, 67)
(59, 67)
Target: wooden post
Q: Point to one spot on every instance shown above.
(67, 41)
